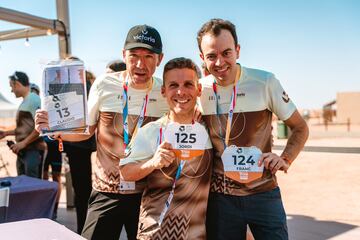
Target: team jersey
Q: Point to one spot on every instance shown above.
(25, 119)
(185, 218)
(106, 106)
(259, 95)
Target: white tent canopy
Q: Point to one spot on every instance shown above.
(7, 109)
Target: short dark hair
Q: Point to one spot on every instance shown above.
(72, 57)
(180, 63)
(214, 27)
(89, 75)
(21, 77)
(116, 66)
(34, 88)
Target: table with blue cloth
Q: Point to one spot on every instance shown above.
(30, 198)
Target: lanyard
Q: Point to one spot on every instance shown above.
(171, 195)
(126, 111)
(177, 176)
(232, 105)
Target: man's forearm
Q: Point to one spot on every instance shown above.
(34, 135)
(10, 132)
(76, 137)
(136, 171)
(296, 141)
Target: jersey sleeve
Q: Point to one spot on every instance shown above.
(143, 145)
(279, 102)
(31, 104)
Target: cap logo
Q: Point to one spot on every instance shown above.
(144, 38)
(144, 31)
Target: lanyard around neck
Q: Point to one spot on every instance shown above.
(232, 104)
(177, 176)
(126, 110)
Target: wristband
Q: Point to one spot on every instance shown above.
(286, 159)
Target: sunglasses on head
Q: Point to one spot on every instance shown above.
(14, 76)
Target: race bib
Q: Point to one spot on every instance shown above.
(241, 163)
(64, 109)
(187, 140)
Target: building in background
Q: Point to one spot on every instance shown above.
(348, 107)
(343, 110)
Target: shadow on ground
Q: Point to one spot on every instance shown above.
(306, 228)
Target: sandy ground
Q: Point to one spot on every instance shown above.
(321, 187)
(324, 186)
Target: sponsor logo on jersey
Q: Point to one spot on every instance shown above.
(240, 94)
(285, 97)
(122, 97)
(212, 98)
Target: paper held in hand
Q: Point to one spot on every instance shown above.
(64, 97)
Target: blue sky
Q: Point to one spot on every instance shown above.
(313, 47)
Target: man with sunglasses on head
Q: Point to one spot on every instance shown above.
(28, 145)
(238, 104)
(119, 104)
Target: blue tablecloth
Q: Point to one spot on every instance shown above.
(30, 198)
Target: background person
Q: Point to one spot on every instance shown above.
(50, 157)
(79, 155)
(115, 66)
(28, 144)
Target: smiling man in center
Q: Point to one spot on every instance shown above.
(174, 201)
